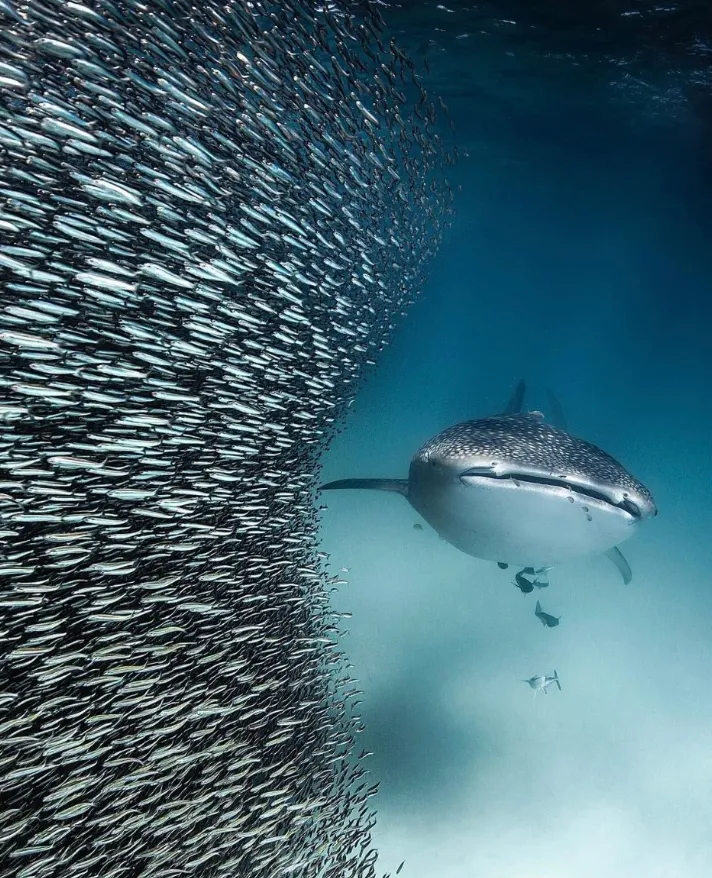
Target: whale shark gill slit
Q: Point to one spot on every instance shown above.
(481, 473)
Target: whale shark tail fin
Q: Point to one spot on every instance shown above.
(516, 400)
(399, 486)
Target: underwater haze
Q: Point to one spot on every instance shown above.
(215, 219)
(579, 260)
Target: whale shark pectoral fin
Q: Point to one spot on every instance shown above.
(399, 486)
(516, 400)
(558, 418)
(616, 557)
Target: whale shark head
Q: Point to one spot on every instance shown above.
(514, 488)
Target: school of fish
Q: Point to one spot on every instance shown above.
(211, 216)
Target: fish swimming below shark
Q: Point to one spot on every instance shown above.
(541, 682)
(546, 619)
(516, 490)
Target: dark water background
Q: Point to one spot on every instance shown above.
(580, 259)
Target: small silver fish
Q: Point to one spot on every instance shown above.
(541, 683)
(175, 354)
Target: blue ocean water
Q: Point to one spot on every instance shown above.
(578, 259)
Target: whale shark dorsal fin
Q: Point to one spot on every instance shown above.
(516, 400)
(399, 486)
(616, 557)
(558, 418)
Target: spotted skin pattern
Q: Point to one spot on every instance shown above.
(511, 444)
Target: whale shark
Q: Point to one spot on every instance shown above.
(514, 489)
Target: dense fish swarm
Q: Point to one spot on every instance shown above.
(210, 216)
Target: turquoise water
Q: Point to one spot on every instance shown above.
(578, 259)
(196, 266)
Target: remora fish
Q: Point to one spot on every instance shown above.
(526, 586)
(547, 620)
(516, 490)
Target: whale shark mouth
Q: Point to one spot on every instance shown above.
(626, 505)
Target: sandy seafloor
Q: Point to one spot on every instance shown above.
(580, 265)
